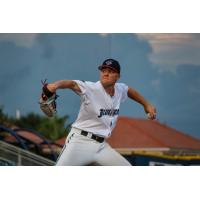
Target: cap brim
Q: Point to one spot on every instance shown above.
(107, 66)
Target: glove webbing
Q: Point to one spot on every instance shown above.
(45, 90)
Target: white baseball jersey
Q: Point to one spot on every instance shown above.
(99, 111)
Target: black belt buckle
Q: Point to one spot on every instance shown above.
(97, 138)
(84, 133)
(94, 137)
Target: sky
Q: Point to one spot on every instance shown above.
(164, 68)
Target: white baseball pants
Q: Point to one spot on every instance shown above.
(81, 150)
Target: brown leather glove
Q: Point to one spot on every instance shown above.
(47, 101)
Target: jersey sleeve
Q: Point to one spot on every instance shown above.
(124, 91)
(82, 85)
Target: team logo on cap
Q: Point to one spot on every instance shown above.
(109, 62)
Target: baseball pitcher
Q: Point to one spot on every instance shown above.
(100, 103)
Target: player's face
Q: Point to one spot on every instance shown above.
(108, 77)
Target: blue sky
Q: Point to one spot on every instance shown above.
(164, 68)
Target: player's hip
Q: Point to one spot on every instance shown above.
(80, 136)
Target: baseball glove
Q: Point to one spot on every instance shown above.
(47, 101)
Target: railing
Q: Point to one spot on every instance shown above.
(12, 155)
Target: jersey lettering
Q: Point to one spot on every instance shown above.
(109, 112)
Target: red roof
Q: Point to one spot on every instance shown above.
(30, 136)
(142, 133)
(61, 141)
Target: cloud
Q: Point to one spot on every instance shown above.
(173, 49)
(26, 40)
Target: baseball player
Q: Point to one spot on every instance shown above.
(100, 103)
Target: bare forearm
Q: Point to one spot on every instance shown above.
(134, 95)
(148, 107)
(63, 84)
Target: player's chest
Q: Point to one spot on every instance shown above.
(100, 101)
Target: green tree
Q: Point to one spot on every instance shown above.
(4, 119)
(52, 128)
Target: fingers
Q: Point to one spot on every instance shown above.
(151, 115)
(151, 111)
(44, 97)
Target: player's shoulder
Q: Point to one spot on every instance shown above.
(85, 85)
(84, 82)
(121, 85)
(90, 84)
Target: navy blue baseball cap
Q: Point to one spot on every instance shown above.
(110, 63)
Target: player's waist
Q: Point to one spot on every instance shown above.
(91, 135)
(99, 129)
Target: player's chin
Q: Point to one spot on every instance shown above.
(105, 81)
(107, 84)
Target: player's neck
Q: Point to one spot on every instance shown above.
(110, 90)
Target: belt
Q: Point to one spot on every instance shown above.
(92, 136)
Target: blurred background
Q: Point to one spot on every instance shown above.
(164, 68)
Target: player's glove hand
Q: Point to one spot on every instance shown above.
(47, 101)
